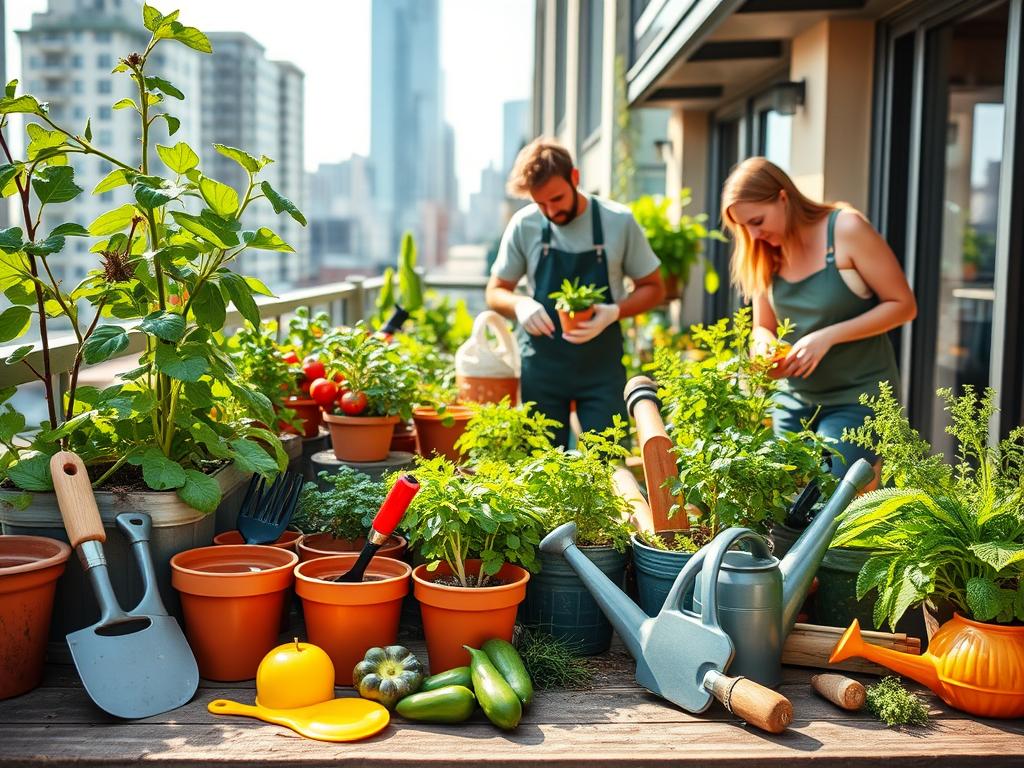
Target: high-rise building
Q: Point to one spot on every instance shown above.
(341, 220)
(66, 59)
(407, 137)
(257, 106)
(515, 131)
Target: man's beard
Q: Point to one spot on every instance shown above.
(565, 217)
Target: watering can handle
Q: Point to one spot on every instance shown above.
(506, 341)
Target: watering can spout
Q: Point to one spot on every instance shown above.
(919, 668)
(801, 562)
(623, 613)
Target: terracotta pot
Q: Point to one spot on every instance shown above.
(482, 389)
(360, 439)
(29, 569)
(404, 438)
(434, 437)
(288, 540)
(309, 414)
(324, 545)
(569, 320)
(232, 598)
(348, 619)
(457, 616)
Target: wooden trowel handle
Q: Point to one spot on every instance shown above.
(767, 709)
(75, 499)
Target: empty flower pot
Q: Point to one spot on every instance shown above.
(29, 569)
(324, 545)
(232, 597)
(348, 619)
(361, 439)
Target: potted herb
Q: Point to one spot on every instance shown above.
(504, 432)
(438, 417)
(162, 277)
(949, 534)
(575, 303)
(335, 515)
(478, 534)
(576, 486)
(379, 386)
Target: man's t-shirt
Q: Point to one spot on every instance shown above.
(627, 252)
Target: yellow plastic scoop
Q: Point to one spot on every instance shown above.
(335, 720)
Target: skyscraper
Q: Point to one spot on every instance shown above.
(515, 133)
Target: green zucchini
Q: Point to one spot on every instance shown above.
(450, 704)
(457, 676)
(497, 699)
(506, 660)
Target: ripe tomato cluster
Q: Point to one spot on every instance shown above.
(327, 392)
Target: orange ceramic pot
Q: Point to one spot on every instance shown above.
(437, 438)
(309, 414)
(360, 439)
(232, 597)
(975, 667)
(346, 620)
(484, 389)
(288, 539)
(404, 438)
(569, 320)
(324, 545)
(457, 616)
(29, 569)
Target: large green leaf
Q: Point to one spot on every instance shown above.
(19, 354)
(70, 230)
(203, 228)
(11, 239)
(180, 158)
(169, 326)
(126, 104)
(983, 598)
(201, 492)
(159, 472)
(11, 423)
(185, 363)
(282, 203)
(14, 321)
(150, 196)
(51, 244)
(118, 177)
(872, 574)
(113, 221)
(105, 342)
(999, 554)
(7, 173)
(189, 36)
(25, 104)
(32, 474)
(240, 156)
(265, 240)
(55, 184)
(220, 197)
(155, 83)
(209, 306)
(252, 457)
(241, 296)
(258, 286)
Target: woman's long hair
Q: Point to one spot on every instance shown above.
(757, 180)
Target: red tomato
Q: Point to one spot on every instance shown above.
(313, 368)
(323, 391)
(338, 378)
(291, 358)
(353, 403)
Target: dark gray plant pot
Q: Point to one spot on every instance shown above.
(656, 571)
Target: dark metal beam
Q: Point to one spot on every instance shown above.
(687, 93)
(782, 6)
(721, 50)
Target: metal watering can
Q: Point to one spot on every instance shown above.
(755, 599)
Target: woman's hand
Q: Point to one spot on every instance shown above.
(805, 355)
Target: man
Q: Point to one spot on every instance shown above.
(565, 235)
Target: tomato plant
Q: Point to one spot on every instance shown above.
(313, 368)
(353, 403)
(323, 392)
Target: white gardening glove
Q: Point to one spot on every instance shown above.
(533, 317)
(604, 315)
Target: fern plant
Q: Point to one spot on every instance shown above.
(952, 533)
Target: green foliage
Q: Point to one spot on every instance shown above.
(158, 272)
(718, 404)
(552, 662)
(410, 285)
(373, 367)
(345, 510)
(573, 297)
(486, 515)
(259, 361)
(501, 432)
(678, 246)
(668, 541)
(308, 332)
(576, 486)
(893, 704)
(942, 533)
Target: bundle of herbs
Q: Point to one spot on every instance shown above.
(551, 662)
(893, 704)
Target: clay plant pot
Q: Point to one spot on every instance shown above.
(232, 598)
(29, 569)
(437, 438)
(317, 545)
(309, 414)
(457, 616)
(569, 320)
(288, 540)
(360, 439)
(404, 438)
(348, 619)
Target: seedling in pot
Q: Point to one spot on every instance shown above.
(573, 297)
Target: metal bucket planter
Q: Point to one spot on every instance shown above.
(558, 602)
(656, 570)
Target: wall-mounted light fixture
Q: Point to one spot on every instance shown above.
(784, 98)
(663, 147)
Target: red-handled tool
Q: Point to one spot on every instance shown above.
(387, 519)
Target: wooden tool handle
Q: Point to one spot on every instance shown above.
(767, 709)
(639, 513)
(840, 690)
(75, 499)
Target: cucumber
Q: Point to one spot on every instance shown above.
(450, 704)
(497, 699)
(457, 676)
(506, 660)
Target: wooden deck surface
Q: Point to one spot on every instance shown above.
(614, 724)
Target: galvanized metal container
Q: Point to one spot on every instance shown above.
(656, 571)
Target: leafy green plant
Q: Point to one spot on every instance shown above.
(345, 509)
(576, 486)
(373, 367)
(573, 297)
(486, 515)
(308, 332)
(893, 704)
(258, 361)
(503, 432)
(410, 285)
(668, 541)
(551, 661)
(161, 273)
(947, 533)
(677, 246)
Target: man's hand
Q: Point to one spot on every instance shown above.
(533, 317)
(604, 315)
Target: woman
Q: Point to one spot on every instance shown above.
(825, 269)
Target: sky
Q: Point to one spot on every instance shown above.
(486, 58)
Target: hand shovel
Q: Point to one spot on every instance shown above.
(384, 523)
(134, 664)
